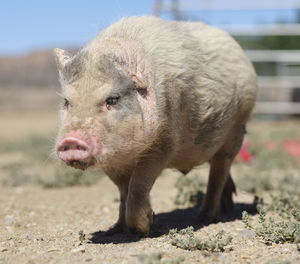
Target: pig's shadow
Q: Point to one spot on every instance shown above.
(179, 218)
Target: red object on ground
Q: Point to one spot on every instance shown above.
(244, 154)
(292, 146)
(272, 145)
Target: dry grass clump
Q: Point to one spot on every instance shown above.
(286, 206)
(187, 240)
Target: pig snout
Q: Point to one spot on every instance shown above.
(77, 150)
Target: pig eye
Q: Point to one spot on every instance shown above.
(66, 103)
(112, 100)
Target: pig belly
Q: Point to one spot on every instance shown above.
(189, 156)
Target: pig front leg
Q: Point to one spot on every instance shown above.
(121, 179)
(220, 184)
(139, 214)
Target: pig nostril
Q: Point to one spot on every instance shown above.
(81, 147)
(72, 144)
(73, 147)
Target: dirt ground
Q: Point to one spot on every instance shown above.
(40, 225)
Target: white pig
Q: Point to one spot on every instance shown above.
(148, 94)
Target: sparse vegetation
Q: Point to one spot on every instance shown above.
(274, 261)
(18, 175)
(284, 230)
(284, 227)
(36, 155)
(65, 177)
(269, 158)
(35, 147)
(187, 240)
(277, 231)
(279, 219)
(190, 190)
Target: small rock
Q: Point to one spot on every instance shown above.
(52, 249)
(9, 229)
(105, 209)
(32, 213)
(9, 219)
(78, 249)
(29, 237)
(19, 189)
(22, 250)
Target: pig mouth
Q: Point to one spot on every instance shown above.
(82, 165)
(76, 152)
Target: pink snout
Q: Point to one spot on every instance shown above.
(76, 151)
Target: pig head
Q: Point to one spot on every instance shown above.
(108, 112)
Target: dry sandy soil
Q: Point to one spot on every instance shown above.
(41, 225)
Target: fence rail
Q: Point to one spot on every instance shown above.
(275, 92)
(286, 56)
(185, 6)
(262, 29)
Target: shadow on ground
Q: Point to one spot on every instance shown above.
(179, 218)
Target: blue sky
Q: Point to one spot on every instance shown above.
(27, 25)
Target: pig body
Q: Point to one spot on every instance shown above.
(148, 94)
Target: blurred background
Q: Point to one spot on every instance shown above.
(269, 31)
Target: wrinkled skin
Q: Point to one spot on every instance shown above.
(141, 97)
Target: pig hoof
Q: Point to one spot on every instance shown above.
(137, 232)
(207, 218)
(227, 204)
(140, 223)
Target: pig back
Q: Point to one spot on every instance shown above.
(200, 80)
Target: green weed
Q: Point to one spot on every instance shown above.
(187, 240)
(65, 177)
(36, 151)
(272, 231)
(35, 147)
(274, 261)
(189, 190)
(19, 174)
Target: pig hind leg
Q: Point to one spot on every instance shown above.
(226, 198)
(220, 184)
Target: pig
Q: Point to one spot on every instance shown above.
(147, 94)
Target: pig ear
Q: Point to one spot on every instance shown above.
(61, 58)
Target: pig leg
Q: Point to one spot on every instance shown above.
(139, 214)
(122, 182)
(220, 185)
(226, 198)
